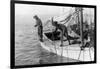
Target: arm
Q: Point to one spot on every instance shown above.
(35, 25)
(38, 23)
(55, 29)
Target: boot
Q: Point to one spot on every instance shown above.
(69, 43)
(61, 45)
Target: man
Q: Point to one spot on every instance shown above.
(63, 29)
(40, 27)
(86, 37)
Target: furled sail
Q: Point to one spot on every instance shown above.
(68, 19)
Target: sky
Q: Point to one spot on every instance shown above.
(24, 12)
(37, 9)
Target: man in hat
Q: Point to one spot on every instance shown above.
(63, 29)
(40, 27)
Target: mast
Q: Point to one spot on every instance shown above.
(81, 26)
(80, 16)
(79, 20)
(77, 17)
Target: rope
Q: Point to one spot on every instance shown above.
(79, 55)
(62, 45)
(67, 52)
(90, 54)
(61, 54)
(80, 33)
(46, 23)
(50, 53)
(83, 55)
(53, 43)
(53, 38)
(69, 17)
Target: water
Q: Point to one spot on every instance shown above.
(28, 50)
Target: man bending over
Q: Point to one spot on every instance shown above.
(63, 30)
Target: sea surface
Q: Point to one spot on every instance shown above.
(28, 50)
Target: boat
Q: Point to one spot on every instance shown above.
(51, 42)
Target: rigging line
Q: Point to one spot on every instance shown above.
(62, 50)
(53, 43)
(47, 23)
(67, 51)
(90, 47)
(53, 39)
(70, 16)
(62, 45)
(67, 48)
(69, 19)
(61, 54)
(79, 55)
(83, 55)
(84, 51)
(81, 29)
(79, 21)
(50, 52)
(90, 53)
(53, 36)
(55, 46)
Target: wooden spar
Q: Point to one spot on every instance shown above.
(80, 21)
(81, 26)
(77, 17)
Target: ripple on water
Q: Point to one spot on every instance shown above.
(28, 50)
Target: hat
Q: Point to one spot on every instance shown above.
(35, 16)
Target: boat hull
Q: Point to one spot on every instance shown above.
(70, 51)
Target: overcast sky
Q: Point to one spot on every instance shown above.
(24, 12)
(38, 9)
